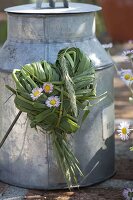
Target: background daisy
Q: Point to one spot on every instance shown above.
(128, 193)
(126, 75)
(123, 130)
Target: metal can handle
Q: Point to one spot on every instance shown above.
(51, 3)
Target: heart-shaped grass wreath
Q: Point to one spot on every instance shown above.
(53, 96)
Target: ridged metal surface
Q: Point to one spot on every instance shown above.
(27, 158)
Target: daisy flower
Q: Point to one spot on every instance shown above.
(126, 75)
(123, 130)
(128, 53)
(36, 92)
(53, 101)
(48, 87)
(128, 193)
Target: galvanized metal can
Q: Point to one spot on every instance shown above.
(27, 158)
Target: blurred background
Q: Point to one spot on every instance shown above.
(114, 22)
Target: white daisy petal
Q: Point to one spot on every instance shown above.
(107, 46)
(119, 131)
(128, 193)
(128, 52)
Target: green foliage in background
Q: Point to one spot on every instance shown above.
(3, 24)
(3, 31)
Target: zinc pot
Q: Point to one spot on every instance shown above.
(27, 158)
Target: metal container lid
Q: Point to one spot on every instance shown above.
(74, 8)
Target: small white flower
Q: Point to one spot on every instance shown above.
(124, 130)
(128, 53)
(53, 101)
(128, 193)
(126, 75)
(36, 92)
(48, 87)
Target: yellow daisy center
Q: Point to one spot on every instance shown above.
(131, 78)
(36, 93)
(127, 76)
(53, 102)
(47, 88)
(124, 130)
